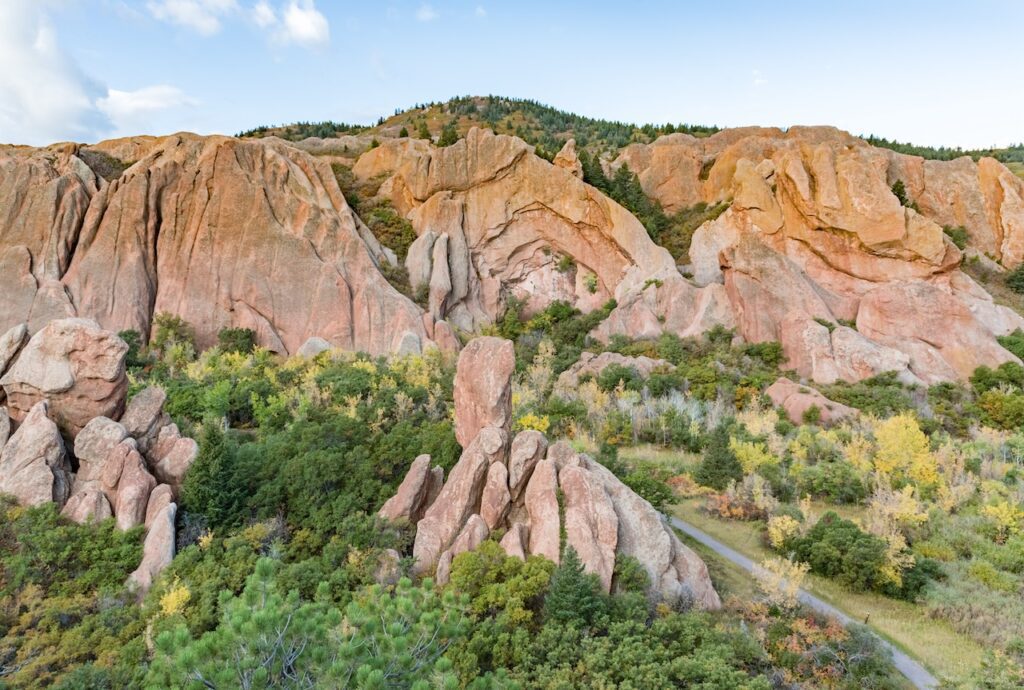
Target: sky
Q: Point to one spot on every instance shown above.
(936, 73)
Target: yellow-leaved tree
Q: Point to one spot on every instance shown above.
(903, 453)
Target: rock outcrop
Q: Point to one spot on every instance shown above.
(222, 232)
(515, 488)
(34, 467)
(77, 367)
(591, 365)
(494, 220)
(416, 492)
(797, 400)
(814, 242)
(483, 387)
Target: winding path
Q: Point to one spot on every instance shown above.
(914, 671)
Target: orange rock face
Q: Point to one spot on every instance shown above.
(222, 232)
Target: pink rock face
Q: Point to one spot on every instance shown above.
(145, 416)
(495, 500)
(230, 233)
(516, 541)
(77, 367)
(542, 507)
(509, 217)
(408, 502)
(943, 338)
(796, 400)
(675, 570)
(90, 505)
(171, 456)
(5, 427)
(33, 465)
(591, 526)
(483, 387)
(160, 498)
(157, 549)
(528, 447)
(457, 500)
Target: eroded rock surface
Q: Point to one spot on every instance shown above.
(798, 400)
(34, 467)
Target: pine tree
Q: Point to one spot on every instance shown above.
(719, 465)
(403, 133)
(574, 596)
(210, 487)
(449, 135)
(423, 132)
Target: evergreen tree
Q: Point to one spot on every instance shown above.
(423, 132)
(593, 174)
(210, 487)
(719, 465)
(403, 132)
(574, 596)
(449, 135)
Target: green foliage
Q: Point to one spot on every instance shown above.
(211, 487)
(239, 340)
(403, 133)
(649, 481)
(1015, 280)
(62, 598)
(303, 130)
(719, 466)
(615, 374)
(957, 236)
(574, 596)
(882, 395)
(834, 480)
(449, 135)
(422, 132)
(900, 192)
(170, 330)
(1013, 342)
(135, 358)
(838, 549)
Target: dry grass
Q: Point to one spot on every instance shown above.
(933, 642)
(1016, 168)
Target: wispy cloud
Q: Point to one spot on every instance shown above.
(130, 111)
(297, 21)
(201, 16)
(480, 11)
(757, 78)
(426, 13)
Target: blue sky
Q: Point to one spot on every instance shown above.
(939, 73)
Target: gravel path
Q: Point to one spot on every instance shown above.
(914, 671)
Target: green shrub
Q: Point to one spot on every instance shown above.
(719, 465)
(958, 236)
(1015, 280)
(238, 340)
(839, 549)
(1013, 342)
(615, 374)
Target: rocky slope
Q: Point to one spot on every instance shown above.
(222, 232)
(65, 391)
(817, 252)
(814, 251)
(512, 486)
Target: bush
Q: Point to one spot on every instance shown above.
(837, 481)
(238, 340)
(614, 374)
(839, 549)
(957, 236)
(133, 339)
(719, 465)
(1015, 280)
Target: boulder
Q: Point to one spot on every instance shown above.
(495, 500)
(11, 343)
(483, 387)
(591, 526)
(161, 497)
(145, 417)
(542, 507)
(33, 465)
(87, 505)
(157, 549)
(171, 456)
(528, 447)
(796, 400)
(457, 500)
(675, 571)
(569, 160)
(312, 347)
(591, 364)
(516, 541)
(411, 500)
(472, 535)
(77, 367)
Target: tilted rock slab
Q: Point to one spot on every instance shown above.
(77, 367)
(33, 465)
(483, 387)
(416, 492)
(796, 400)
(591, 364)
(591, 525)
(542, 507)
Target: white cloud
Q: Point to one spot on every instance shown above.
(426, 13)
(758, 80)
(131, 111)
(303, 24)
(480, 11)
(263, 14)
(202, 16)
(297, 22)
(45, 97)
